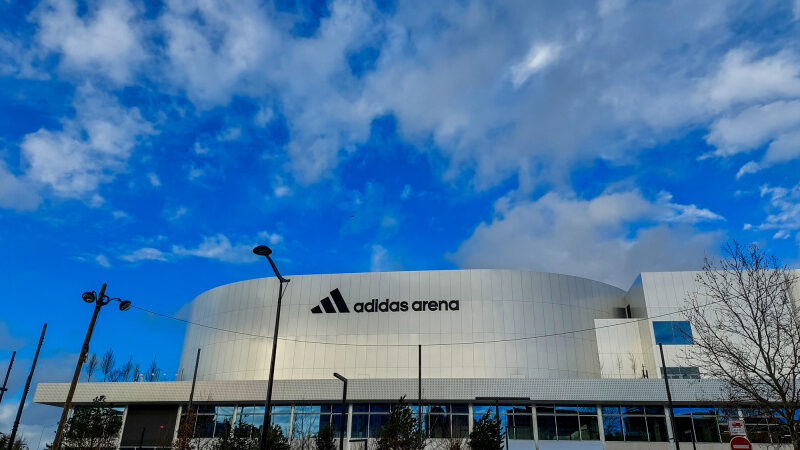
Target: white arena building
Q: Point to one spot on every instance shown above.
(568, 361)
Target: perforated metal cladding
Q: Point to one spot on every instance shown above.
(254, 391)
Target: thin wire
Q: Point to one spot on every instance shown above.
(540, 336)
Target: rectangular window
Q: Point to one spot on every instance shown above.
(613, 428)
(683, 373)
(673, 332)
(635, 428)
(634, 423)
(567, 422)
(697, 424)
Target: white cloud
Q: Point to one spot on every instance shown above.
(17, 193)
(539, 57)
(154, 180)
(783, 210)
(106, 40)
(407, 190)
(753, 127)
(176, 213)
(7, 340)
(280, 189)
(744, 78)
(218, 247)
(272, 238)
(264, 116)
(381, 261)
(145, 254)
(590, 238)
(102, 260)
(88, 150)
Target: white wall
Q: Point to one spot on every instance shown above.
(494, 305)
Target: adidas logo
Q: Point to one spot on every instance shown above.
(328, 306)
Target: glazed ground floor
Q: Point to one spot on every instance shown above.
(534, 413)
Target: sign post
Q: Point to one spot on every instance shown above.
(740, 443)
(736, 428)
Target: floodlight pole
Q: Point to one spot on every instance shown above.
(8, 372)
(343, 420)
(14, 428)
(669, 397)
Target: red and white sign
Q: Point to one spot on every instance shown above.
(736, 428)
(740, 443)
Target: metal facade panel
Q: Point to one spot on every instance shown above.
(459, 389)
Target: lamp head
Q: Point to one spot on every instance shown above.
(262, 250)
(340, 377)
(124, 305)
(89, 297)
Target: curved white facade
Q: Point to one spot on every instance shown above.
(492, 305)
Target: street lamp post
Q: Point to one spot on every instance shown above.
(263, 250)
(99, 300)
(343, 420)
(8, 372)
(669, 398)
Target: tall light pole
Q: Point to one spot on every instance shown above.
(8, 372)
(343, 420)
(99, 301)
(13, 437)
(263, 250)
(669, 398)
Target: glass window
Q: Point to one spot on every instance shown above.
(359, 425)
(482, 409)
(567, 428)
(635, 428)
(705, 429)
(546, 426)
(360, 408)
(545, 409)
(460, 425)
(336, 420)
(589, 429)
(376, 422)
(560, 409)
(438, 425)
(224, 410)
(523, 426)
(609, 410)
(205, 426)
(683, 428)
(282, 420)
(460, 409)
(222, 425)
(381, 408)
(632, 409)
(657, 429)
(613, 428)
(673, 332)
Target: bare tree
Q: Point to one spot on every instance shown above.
(91, 366)
(153, 372)
(107, 364)
(746, 331)
(136, 372)
(634, 364)
(125, 369)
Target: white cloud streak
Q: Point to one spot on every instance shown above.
(590, 237)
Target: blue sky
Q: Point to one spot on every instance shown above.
(152, 145)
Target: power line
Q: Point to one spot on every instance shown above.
(540, 336)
